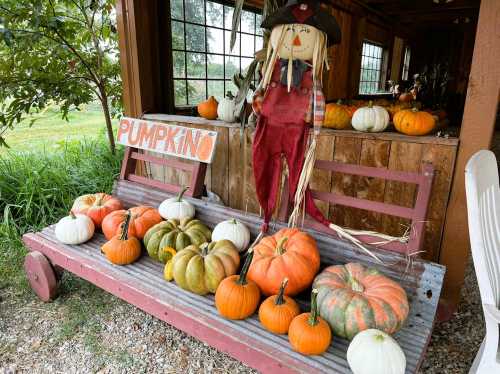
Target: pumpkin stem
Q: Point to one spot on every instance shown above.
(370, 104)
(98, 199)
(279, 248)
(244, 270)
(124, 233)
(183, 191)
(229, 95)
(313, 316)
(72, 215)
(379, 337)
(233, 221)
(414, 109)
(280, 299)
(356, 285)
(204, 249)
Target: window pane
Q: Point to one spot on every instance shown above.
(195, 11)
(258, 21)
(195, 65)
(216, 89)
(248, 22)
(180, 92)
(232, 66)
(228, 17)
(245, 63)
(259, 43)
(236, 49)
(177, 35)
(179, 65)
(215, 66)
(197, 91)
(176, 9)
(215, 40)
(195, 38)
(247, 48)
(214, 14)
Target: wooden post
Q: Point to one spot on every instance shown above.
(476, 133)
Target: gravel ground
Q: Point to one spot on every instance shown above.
(87, 330)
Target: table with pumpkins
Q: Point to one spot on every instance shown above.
(350, 301)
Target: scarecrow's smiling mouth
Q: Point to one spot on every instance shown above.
(295, 48)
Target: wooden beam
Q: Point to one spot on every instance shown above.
(478, 124)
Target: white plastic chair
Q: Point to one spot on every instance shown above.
(483, 206)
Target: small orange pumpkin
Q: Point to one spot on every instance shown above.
(208, 109)
(238, 297)
(396, 107)
(277, 311)
(96, 206)
(309, 334)
(337, 116)
(142, 219)
(123, 249)
(414, 122)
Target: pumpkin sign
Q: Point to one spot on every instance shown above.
(291, 254)
(414, 122)
(353, 298)
(123, 249)
(208, 109)
(142, 218)
(96, 206)
(372, 118)
(74, 229)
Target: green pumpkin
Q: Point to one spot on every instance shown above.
(200, 269)
(175, 234)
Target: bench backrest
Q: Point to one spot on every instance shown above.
(416, 215)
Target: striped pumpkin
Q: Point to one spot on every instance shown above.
(353, 298)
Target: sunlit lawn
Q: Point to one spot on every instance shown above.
(50, 130)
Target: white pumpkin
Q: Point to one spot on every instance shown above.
(371, 118)
(176, 207)
(234, 231)
(74, 229)
(226, 108)
(374, 352)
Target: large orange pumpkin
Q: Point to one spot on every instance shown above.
(353, 298)
(291, 254)
(337, 116)
(208, 109)
(414, 122)
(142, 219)
(96, 206)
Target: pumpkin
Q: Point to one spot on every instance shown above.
(406, 97)
(74, 229)
(200, 269)
(382, 102)
(291, 254)
(96, 206)
(238, 297)
(337, 116)
(123, 249)
(374, 352)
(208, 109)
(226, 108)
(372, 118)
(277, 311)
(234, 231)
(353, 298)
(175, 234)
(168, 271)
(396, 107)
(176, 207)
(142, 219)
(309, 334)
(414, 122)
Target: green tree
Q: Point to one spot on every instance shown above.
(61, 51)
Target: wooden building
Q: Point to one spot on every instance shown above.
(402, 38)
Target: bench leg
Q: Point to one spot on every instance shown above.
(41, 276)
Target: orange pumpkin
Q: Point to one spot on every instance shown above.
(290, 253)
(414, 122)
(238, 297)
(123, 249)
(142, 219)
(309, 334)
(277, 311)
(96, 206)
(337, 116)
(396, 107)
(208, 109)
(406, 97)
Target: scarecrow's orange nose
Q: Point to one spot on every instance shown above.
(296, 41)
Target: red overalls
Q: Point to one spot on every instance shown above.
(282, 131)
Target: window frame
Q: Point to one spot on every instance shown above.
(382, 69)
(405, 68)
(258, 33)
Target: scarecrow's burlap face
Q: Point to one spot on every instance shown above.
(298, 41)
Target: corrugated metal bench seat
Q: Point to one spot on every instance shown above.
(142, 285)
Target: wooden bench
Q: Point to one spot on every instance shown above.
(142, 285)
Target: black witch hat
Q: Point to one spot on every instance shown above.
(307, 12)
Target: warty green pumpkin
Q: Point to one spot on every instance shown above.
(200, 269)
(175, 234)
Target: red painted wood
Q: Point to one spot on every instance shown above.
(41, 276)
(198, 179)
(254, 353)
(157, 184)
(128, 163)
(171, 162)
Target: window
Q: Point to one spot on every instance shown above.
(203, 65)
(406, 64)
(372, 62)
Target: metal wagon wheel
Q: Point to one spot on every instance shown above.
(41, 276)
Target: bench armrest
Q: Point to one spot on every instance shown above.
(492, 312)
